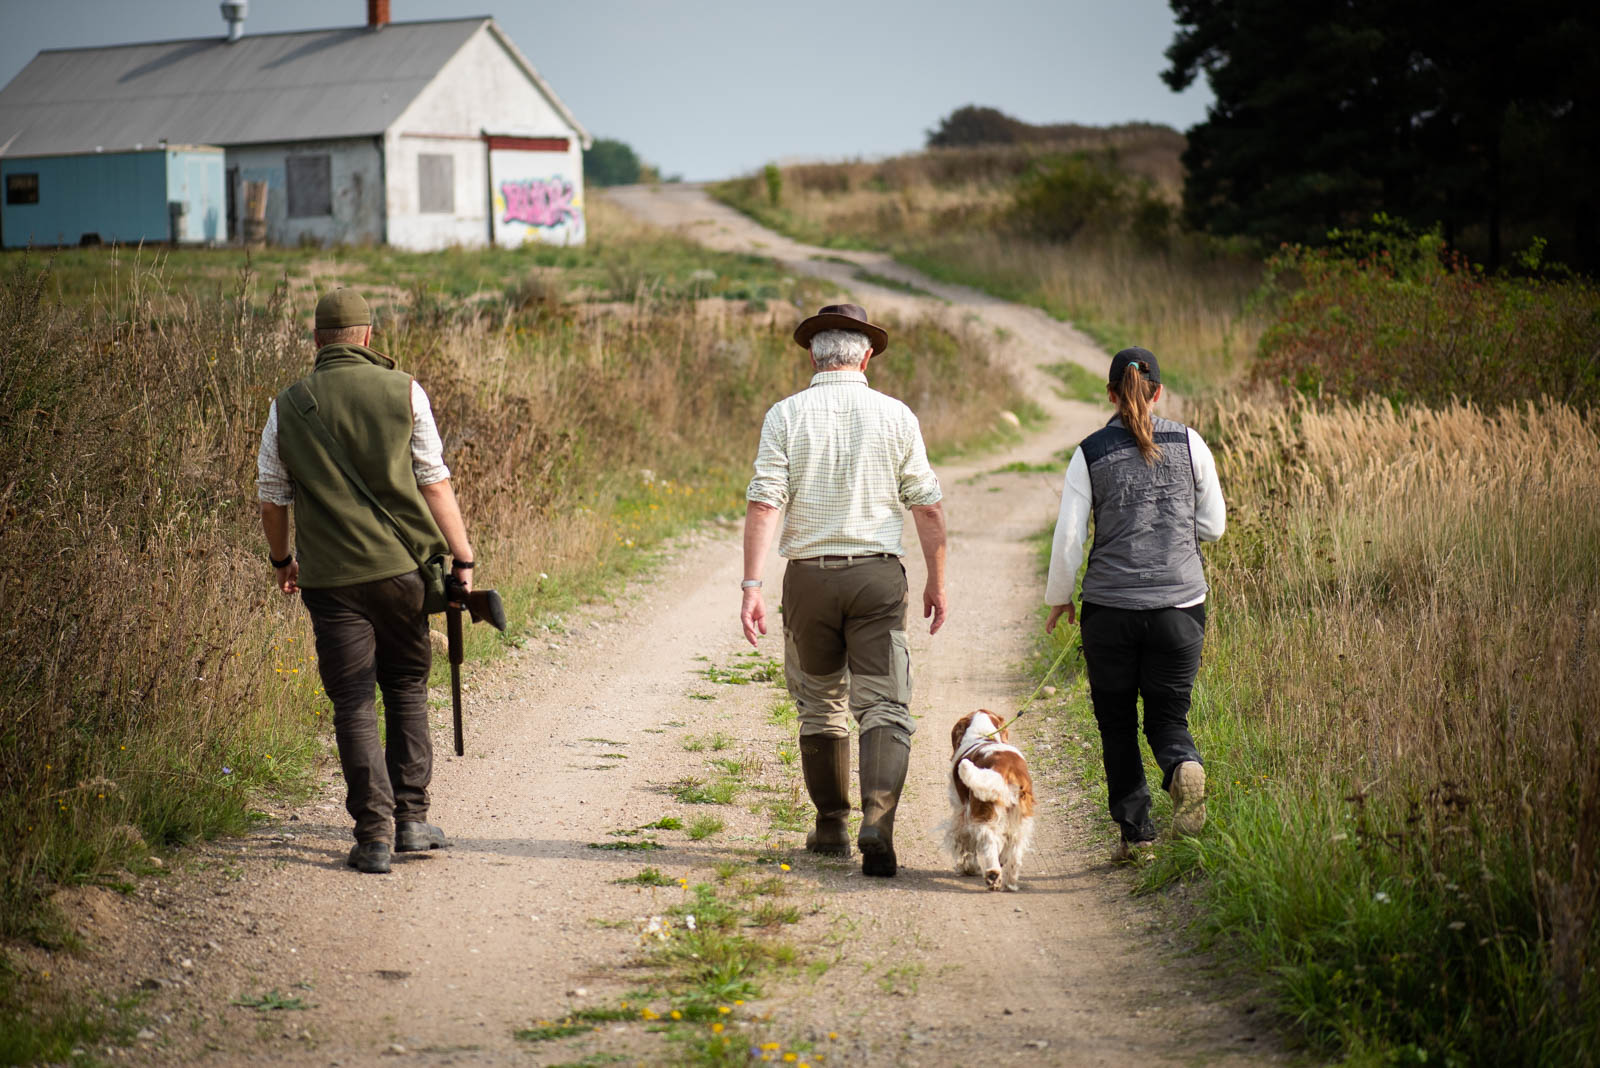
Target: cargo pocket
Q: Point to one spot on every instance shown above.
(901, 667)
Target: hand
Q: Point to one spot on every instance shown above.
(1056, 612)
(288, 578)
(935, 604)
(464, 577)
(753, 614)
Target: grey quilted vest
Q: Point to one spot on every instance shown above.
(1146, 551)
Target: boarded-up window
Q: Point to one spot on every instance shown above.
(436, 184)
(310, 186)
(22, 189)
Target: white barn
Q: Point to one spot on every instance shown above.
(421, 135)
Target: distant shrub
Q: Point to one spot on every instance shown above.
(611, 162)
(774, 176)
(1384, 313)
(1061, 196)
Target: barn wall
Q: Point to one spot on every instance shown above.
(117, 197)
(482, 90)
(355, 191)
(194, 176)
(467, 224)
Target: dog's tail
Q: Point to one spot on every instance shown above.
(985, 784)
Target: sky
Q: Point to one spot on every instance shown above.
(708, 89)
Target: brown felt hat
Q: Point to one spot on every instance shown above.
(342, 308)
(842, 317)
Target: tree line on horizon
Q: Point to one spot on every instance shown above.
(1481, 120)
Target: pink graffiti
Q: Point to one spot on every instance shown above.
(538, 201)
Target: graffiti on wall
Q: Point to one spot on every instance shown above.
(538, 201)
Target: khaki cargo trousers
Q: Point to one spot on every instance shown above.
(844, 648)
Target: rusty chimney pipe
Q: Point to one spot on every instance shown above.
(377, 14)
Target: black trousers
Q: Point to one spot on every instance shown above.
(1129, 654)
(374, 634)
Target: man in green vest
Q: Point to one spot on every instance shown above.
(355, 575)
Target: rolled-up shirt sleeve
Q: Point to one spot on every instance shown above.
(1072, 531)
(273, 483)
(427, 450)
(1210, 512)
(918, 484)
(770, 486)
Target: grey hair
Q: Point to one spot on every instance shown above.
(833, 350)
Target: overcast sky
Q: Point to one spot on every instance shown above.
(712, 88)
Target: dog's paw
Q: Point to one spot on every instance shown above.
(969, 866)
(993, 879)
(1013, 885)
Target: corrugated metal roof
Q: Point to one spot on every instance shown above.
(269, 87)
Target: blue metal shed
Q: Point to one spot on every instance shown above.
(174, 193)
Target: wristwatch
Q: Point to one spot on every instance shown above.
(750, 584)
(285, 562)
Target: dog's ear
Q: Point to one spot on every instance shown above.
(959, 731)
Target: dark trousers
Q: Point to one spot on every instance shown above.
(1154, 654)
(374, 634)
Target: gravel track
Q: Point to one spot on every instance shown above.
(582, 733)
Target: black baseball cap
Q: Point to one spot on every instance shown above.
(1143, 357)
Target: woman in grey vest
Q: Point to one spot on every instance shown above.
(1151, 485)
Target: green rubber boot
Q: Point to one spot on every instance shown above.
(825, 760)
(885, 754)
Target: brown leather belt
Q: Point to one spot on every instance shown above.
(844, 561)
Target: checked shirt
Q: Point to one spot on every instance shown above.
(844, 458)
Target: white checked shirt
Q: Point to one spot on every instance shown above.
(843, 458)
(427, 452)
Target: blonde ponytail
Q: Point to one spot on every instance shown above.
(1134, 394)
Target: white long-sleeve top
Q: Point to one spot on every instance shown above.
(1077, 505)
(427, 452)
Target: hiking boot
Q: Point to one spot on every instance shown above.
(1126, 852)
(370, 857)
(885, 753)
(418, 837)
(1188, 792)
(825, 761)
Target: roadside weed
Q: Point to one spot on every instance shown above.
(703, 827)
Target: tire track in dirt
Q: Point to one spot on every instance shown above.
(582, 733)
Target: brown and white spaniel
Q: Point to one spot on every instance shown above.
(991, 801)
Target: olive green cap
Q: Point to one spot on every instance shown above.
(342, 308)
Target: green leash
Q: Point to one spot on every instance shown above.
(1060, 657)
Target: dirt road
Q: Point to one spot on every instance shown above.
(610, 722)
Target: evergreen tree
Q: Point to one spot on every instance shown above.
(1477, 116)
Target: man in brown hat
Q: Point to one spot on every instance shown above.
(356, 569)
(843, 459)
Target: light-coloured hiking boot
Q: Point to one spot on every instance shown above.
(1188, 792)
(1126, 852)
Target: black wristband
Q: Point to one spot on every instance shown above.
(285, 562)
(464, 565)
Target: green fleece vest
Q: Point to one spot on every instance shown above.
(366, 406)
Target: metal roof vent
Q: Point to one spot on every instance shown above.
(233, 13)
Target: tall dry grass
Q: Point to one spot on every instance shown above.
(154, 686)
(1398, 718)
(1127, 276)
